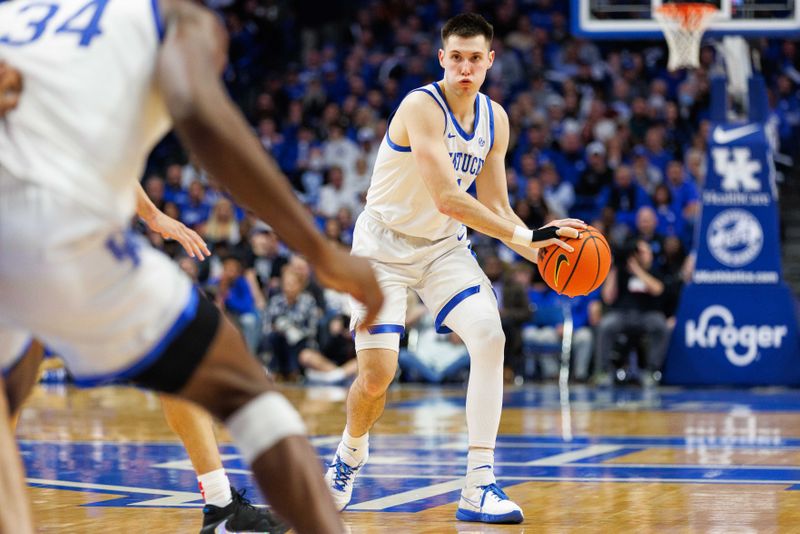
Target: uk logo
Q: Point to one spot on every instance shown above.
(481, 142)
(737, 168)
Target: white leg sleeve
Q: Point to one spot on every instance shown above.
(476, 320)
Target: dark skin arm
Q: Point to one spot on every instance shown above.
(211, 127)
(10, 88)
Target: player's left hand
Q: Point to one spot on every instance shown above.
(190, 240)
(10, 88)
(565, 228)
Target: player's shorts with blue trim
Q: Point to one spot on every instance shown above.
(101, 298)
(441, 272)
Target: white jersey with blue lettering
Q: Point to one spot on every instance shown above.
(90, 112)
(71, 273)
(397, 195)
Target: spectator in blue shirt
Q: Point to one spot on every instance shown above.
(234, 295)
(173, 188)
(624, 197)
(685, 199)
(593, 179)
(787, 108)
(195, 210)
(656, 153)
(670, 221)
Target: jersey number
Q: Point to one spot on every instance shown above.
(40, 14)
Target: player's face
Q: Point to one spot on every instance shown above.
(465, 61)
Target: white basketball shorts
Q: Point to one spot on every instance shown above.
(80, 282)
(442, 272)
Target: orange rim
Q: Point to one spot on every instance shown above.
(689, 15)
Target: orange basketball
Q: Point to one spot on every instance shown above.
(579, 272)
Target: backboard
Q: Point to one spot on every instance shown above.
(633, 19)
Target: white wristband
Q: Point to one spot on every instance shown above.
(522, 236)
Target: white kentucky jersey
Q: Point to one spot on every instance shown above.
(397, 196)
(90, 112)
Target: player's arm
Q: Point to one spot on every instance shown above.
(10, 88)
(493, 191)
(169, 228)
(211, 127)
(424, 122)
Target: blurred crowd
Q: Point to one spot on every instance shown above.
(599, 131)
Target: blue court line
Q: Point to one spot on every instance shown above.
(664, 399)
(114, 468)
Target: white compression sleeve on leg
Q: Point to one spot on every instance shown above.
(263, 422)
(477, 322)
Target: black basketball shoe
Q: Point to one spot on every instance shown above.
(241, 516)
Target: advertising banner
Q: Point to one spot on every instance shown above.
(736, 322)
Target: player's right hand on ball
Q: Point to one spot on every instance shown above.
(338, 270)
(548, 234)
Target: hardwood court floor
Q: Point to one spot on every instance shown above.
(612, 460)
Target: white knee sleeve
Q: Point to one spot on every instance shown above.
(263, 422)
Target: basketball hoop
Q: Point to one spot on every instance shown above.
(683, 26)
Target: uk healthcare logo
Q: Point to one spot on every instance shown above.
(735, 237)
(749, 337)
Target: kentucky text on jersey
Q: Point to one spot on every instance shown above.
(466, 163)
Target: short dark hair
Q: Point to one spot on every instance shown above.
(467, 25)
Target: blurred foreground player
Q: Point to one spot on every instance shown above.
(191, 423)
(100, 89)
(16, 515)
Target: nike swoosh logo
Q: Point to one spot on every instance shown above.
(476, 504)
(724, 137)
(450, 135)
(561, 260)
(487, 466)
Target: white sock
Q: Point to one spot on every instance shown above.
(480, 468)
(216, 488)
(353, 450)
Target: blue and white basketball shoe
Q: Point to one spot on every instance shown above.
(488, 504)
(339, 478)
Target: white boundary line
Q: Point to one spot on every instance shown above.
(408, 496)
(572, 456)
(171, 498)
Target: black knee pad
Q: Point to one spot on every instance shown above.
(182, 356)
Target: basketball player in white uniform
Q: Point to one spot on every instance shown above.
(443, 137)
(192, 424)
(104, 80)
(16, 515)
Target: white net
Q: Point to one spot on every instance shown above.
(683, 26)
